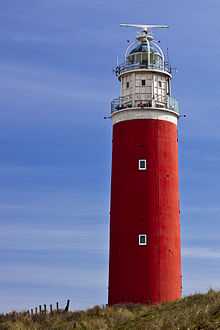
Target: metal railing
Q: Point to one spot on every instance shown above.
(136, 101)
(173, 104)
(127, 67)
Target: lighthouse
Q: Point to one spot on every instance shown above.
(145, 256)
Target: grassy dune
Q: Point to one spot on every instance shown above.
(200, 311)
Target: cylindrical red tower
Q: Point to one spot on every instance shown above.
(145, 261)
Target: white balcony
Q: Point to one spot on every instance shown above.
(139, 101)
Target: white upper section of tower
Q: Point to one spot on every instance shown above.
(145, 76)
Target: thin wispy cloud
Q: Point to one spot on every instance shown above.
(51, 84)
(70, 238)
(201, 252)
(71, 277)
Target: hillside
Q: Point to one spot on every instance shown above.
(200, 311)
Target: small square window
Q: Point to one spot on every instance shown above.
(142, 164)
(142, 239)
(143, 82)
(127, 84)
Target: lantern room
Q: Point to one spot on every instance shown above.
(146, 54)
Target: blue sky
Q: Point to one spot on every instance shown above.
(56, 83)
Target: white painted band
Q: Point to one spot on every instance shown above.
(165, 73)
(155, 113)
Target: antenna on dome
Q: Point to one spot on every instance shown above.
(145, 27)
(145, 34)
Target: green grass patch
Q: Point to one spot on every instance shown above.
(196, 312)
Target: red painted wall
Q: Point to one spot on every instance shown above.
(144, 202)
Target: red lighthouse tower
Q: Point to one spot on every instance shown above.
(145, 261)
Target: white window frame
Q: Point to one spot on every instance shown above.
(139, 239)
(139, 164)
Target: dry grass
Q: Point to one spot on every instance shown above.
(200, 311)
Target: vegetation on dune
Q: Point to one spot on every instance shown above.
(200, 311)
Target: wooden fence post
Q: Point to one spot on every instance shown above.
(44, 310)
(67, 306)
